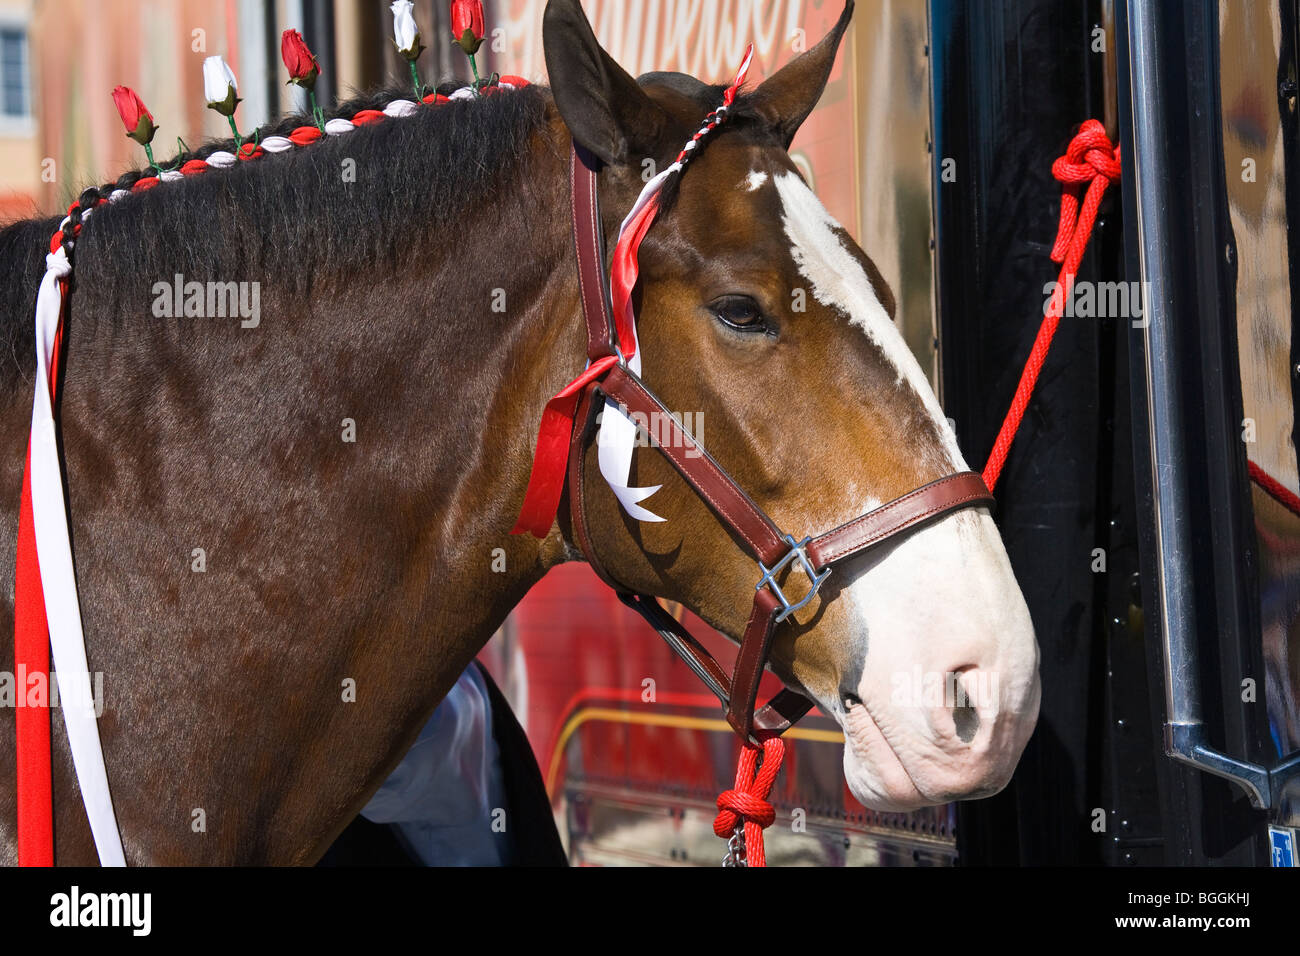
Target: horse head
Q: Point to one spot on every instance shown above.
(765, 322)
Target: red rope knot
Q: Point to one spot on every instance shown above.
(1092, 161)
(747, 802)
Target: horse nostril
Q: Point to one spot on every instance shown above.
(966, 722)
(965, 718)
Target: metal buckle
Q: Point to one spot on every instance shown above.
(769, 576)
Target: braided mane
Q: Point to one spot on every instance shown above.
(292, 218)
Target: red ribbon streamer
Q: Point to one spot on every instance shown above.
(546, 483)
(32, 659)
(625, 272)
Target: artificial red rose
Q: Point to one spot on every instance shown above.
(135, 117)
(298, 59)
(467, 24)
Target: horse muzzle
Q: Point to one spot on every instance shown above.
(942, 748)
(946, 694)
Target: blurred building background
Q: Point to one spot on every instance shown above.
(19, 152)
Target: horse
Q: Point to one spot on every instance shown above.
(292, 535)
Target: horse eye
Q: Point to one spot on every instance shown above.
(740, 313)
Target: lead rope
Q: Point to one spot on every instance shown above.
(1093, 161)
(744, 811)
(1275, 489)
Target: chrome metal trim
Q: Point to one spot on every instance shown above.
(1185, 742)
(1184, 730)
(797, 552)
(1169, 491)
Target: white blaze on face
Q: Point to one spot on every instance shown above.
(837, 280)
(755, 180)
(941, 601)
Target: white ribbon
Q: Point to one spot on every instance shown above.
(614, 444)
(59, 582)
(400, 108)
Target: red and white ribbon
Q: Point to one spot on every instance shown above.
(618, 433)
(58, 580)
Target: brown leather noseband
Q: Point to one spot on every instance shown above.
(757, 534)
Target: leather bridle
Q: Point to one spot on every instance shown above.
(757, 534)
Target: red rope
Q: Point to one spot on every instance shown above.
(1278, 491)
(1090, 161)
(1093, 162)
(747, 801)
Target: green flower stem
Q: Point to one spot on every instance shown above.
(415, 80)
(239, 140)
(473, 65)
(316, 112)
(148, 151)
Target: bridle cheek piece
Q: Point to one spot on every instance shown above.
(608, 377)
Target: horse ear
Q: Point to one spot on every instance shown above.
(786, 98)
(604, 108)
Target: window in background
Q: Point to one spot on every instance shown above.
(15, 92)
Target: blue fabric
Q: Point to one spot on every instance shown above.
(446, 794)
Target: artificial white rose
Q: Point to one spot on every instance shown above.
(219, 86)
(405, 33)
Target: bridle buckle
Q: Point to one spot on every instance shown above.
(798, 553)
